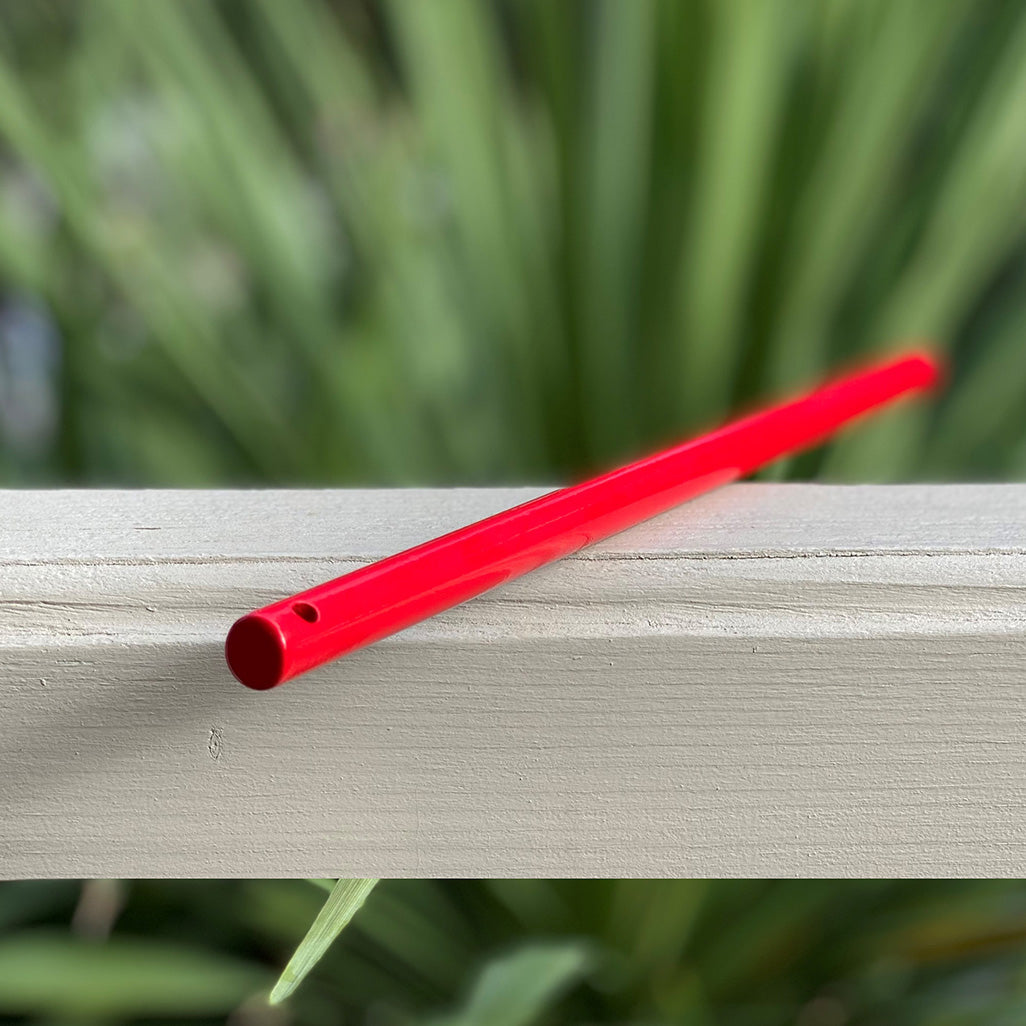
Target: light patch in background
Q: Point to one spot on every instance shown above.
(30, 362)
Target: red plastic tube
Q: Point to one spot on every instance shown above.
(280, 641)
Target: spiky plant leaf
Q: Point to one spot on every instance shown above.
(344, 901)
(47, 973)
(515, 989)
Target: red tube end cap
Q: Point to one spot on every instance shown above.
(934, 368)
(255, 652)
(930, 367)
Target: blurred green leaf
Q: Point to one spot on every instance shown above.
(344, 901)
(515, 989)
(614, 176)
(743, 106)
(22, 901)
(301, 243)
(723, 952)
(44, 973)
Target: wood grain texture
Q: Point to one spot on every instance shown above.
(770, 680)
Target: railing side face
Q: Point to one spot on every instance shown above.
(774, 679)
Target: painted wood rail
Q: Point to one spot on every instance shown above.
(770, 680)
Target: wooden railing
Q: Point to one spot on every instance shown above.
(773, 679)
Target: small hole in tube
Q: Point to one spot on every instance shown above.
(306, 612)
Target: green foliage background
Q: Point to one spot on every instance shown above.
(513, 953)
(471, 240)
(444, 241)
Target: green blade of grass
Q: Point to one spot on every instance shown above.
(344, 901)
(245, 171)
(375, 168)
(465, 106)
(977, 218)
(987, 402)
(44, 973)
(744, 91)
(886, 88)
(516, 989)
(144, 274)
(614, 196)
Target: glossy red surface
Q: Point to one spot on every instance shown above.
(280, 641)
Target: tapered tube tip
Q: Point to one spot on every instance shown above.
(929, 367)
(255, 652)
